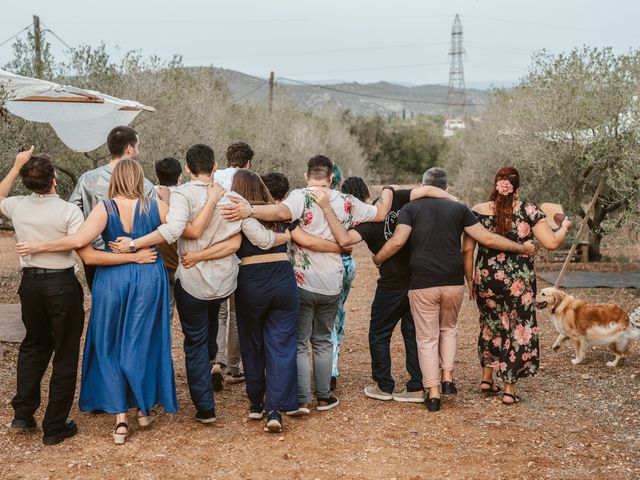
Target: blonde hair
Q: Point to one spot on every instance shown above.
(127, 181)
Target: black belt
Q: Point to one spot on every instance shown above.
(44, 271)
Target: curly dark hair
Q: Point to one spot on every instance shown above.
(38, 174)
(239, 155)
(277, 184)
(357, 187)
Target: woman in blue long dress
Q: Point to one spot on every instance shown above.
(127, 354)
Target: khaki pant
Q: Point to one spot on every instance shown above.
(227, 339)
(435, 313)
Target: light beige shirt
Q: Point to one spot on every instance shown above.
(210, 279)
(39, 218)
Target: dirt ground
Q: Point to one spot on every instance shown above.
(574, 422)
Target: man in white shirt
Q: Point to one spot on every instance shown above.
(319, 275)
(239, 156)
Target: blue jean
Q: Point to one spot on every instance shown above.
(337, 334)
(267, 308)
(388, 308)
(194, 318)
(315, 323)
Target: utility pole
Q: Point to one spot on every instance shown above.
(37, 46)
(271, 85)
(456, 95)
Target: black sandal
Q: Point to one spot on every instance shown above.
(119, 438)
(491, 390)
(515, 398)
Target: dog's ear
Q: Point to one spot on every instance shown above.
(557, 297)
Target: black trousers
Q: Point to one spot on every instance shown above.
(53, 314)
(388, 308)
(89, 274)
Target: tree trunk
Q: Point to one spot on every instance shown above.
(595, 232)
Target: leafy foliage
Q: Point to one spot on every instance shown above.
(400, 150)
(573, 120)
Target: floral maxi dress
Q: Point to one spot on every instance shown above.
(505, 285)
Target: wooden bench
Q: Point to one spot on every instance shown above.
(581, 254)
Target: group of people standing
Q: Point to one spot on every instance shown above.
(278, 264)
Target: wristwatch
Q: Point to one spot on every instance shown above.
(132, 246)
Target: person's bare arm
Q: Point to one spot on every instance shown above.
(498, 242)
(242, 209)
(343, 236)
(7, 182)
(429, 191)
(547, 237)
(88, 231)
(468, 249)
(196, 227)
(121, 244)
(219, 250)
(393, 245)
(91, 256)
(383, 205)
(313, 243)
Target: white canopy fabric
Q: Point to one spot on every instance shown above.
(81, 118)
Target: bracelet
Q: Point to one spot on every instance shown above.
(252, 211)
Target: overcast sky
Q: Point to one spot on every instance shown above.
(322, 40)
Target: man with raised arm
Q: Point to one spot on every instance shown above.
(51, 297)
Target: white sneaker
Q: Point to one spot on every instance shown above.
(375, 392)
(410, 397)
(303, 410)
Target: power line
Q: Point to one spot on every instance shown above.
(14, 36)
(361, 69)
(57, 36)
(369, 95)
(250, 92)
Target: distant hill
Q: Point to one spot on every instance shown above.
(360, 99)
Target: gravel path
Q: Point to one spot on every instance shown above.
(574, 422)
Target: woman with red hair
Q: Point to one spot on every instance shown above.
(504, 285)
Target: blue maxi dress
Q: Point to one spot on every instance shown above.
(127, 353)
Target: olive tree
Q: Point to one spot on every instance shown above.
(572, 121)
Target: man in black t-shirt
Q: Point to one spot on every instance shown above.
(391, 302)
(436, 283)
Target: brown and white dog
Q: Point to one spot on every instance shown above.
(588, 324)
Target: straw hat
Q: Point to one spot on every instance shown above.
(555, 214)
